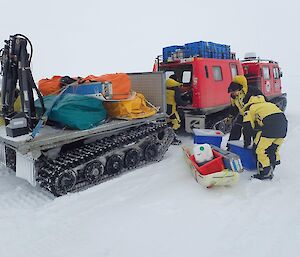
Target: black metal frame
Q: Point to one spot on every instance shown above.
(15, 68)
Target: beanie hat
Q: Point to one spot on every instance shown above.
(234, 86)
(173, 76)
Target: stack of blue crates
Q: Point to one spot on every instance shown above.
(201, 49)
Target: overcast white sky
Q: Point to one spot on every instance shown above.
(97, 37)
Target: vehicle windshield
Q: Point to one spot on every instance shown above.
(183, 73)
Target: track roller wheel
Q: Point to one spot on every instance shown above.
(64, 182)
(93, 171)
(114, 164)
(161, 135)
(132, 158)
(151, 151)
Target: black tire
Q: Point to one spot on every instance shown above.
(132, 158)
(64, 182)
(282, 105)
(151, 152)
(93, 171)
(281, 102)
(114, 164)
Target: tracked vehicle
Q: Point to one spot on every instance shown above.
(65, 160)
(206, 69)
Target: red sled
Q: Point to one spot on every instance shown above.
(212, 173)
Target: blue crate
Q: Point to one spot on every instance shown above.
(198, 44)
(167, 51)
(196, 49)
(187, 53)
(190, 50)
(247, 155)
(205, 54)
(212, 47)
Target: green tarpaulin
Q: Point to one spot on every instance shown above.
(74, 111)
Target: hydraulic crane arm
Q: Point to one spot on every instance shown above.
(15, 69)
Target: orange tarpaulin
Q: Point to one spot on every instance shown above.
(50, 86)
(121, 84)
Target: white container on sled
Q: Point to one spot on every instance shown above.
(203, 153)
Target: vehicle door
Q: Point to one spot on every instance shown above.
(267, 87)
(277, 80)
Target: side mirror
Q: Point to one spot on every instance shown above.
(280, 74)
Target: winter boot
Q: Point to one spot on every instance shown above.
(275, 164)
(264, 173)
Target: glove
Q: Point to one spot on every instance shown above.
(229, 119)
(247, 143)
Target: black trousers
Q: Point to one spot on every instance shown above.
(236, 131)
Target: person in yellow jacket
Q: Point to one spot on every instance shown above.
(271, 124)
(240, 94)
(173, 99)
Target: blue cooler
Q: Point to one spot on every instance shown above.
(208, 136)
(247, 156)
(95, 89)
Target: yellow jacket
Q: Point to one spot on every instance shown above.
(172, 89)
(172, 83)
(265, 117)
(257, 109)
(239, 100)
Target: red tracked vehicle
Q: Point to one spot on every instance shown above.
(266, 75)
(206, 79)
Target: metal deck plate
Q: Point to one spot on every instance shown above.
(51, 137)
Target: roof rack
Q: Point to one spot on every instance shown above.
(257, 59)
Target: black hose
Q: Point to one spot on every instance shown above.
(27, 39)
(34, 85)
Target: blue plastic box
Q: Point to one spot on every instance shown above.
(86, 89)
(196, 49)
(208, 136)
(167, 51)
(247, 155)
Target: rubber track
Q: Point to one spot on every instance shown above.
(76, 159)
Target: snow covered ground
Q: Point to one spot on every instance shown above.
(159, 211)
